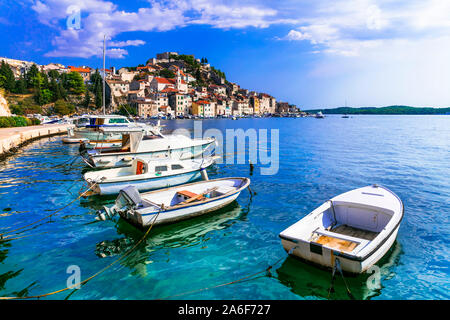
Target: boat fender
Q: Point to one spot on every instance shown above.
(204, 174)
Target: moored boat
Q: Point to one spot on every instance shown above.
(357, 227)
(93, 136)
(176, 203)
(147, 175)
(147, 147)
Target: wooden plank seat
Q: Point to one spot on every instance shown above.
(340, 244)
(337, 241)
(193, 196)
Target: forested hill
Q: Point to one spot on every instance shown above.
(383, 110)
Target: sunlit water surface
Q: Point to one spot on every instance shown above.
(318, 159)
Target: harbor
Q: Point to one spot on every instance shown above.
(230, 158)
(179, 259)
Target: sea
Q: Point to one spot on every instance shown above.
(298, 164)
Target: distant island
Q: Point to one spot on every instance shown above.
(383, 110)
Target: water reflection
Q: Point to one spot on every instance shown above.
(307, 280)
(188, 233)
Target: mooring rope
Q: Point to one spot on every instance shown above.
(337, 267)
(95, 274)
(50, 215)
(249, 277)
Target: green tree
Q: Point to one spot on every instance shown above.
(87, 98)
(61, 91)
(98, 96)
(127, 110)
(7, 80)
(30, 76)
(75, 82)
(53, 87)
(166, 73)
(20, 86)
(53, 74)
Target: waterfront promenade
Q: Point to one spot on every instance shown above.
(12, 138)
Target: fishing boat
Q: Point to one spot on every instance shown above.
(345, 116)
(152, 146)
(357, 228)
(147, 175)
(175, 204)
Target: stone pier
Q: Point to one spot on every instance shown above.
(13, 138)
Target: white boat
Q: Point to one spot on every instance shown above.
(147, 147)
(176, 203)
(91, 134)
(319, 115)
(357, 228)
(147, 175)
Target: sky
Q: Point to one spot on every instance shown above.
(312, 53)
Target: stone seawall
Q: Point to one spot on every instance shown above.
(13, 138)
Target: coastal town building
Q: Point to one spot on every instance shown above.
(181, 104)
(84, 71)
(152, 94)
(18, 67)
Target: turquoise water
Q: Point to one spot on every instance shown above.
(318, 159)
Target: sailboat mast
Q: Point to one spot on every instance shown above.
(104, 74)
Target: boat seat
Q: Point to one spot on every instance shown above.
(225, 189)
(338, 241)
(189, 195)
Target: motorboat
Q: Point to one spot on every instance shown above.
(357, 228)
(175, 204)
(151, 146)
(147, 175)
(319, 115)
(88, 130)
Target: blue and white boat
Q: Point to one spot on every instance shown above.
(89, 130)
(147, 175)
(138, 144)
(177, 203)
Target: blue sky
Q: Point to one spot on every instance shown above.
(313, 53)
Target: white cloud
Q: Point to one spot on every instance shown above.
(346, 27)
(127, 43)
(103, 17)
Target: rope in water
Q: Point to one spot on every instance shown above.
(76, 285)
(251, 277)
(50, 215)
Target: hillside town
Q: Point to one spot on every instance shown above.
(170, 85)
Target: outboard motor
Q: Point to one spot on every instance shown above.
(128, 199)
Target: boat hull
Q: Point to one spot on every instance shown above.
(125, 159)
(175, 215)
(303, 251)
(150, 183)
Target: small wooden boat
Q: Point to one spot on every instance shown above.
(357, 227)
(147, 175)
(176, 203)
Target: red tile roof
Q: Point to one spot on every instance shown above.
(76, 69)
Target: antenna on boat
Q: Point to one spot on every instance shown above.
(104, 73)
